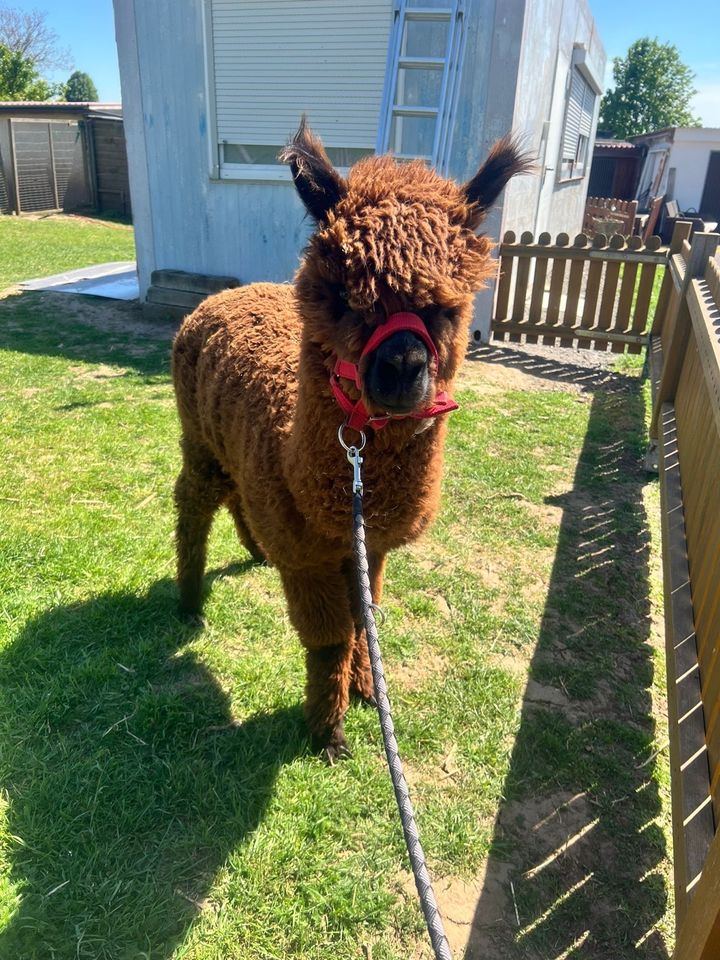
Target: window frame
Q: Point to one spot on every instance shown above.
(574, 169)
(219, 170)
(453, 12)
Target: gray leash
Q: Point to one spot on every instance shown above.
(433, 920)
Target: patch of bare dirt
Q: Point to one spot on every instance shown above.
(549, 514)
(413, 674)
(493, 378)
(122, 317)
(100, 372)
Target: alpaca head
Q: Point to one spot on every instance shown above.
(393, 237)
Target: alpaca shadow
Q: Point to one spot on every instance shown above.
(576, 862)
(126, 778)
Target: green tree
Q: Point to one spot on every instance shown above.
(80, 88)
(653, 89)
(19, 78)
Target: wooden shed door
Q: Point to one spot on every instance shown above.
(710, 203)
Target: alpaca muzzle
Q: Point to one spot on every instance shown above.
(357, 413)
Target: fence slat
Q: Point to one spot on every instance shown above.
(607, 300)
(577, 272)
(627, 291)
(592, 290)
(557, 281)
(538, 286)
(506, 271)
(642, 304)
(522, 274)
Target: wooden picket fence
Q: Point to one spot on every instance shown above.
(685, 370)
(609, 208)
(596, 293)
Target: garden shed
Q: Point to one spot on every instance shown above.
(212, 90)
(683, 164)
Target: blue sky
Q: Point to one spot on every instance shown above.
(87, 28)
(692, 25)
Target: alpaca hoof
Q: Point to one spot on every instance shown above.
(369, 701)
(333, 746)
(193, 619)
(334, 752)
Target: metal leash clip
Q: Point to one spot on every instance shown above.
(353, 455)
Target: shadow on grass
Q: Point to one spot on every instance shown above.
(575, 865)
(86, 329)
(127, 781)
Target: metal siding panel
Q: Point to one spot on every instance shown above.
(253, 231)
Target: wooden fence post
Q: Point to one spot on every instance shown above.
(703, 247)
(681, 232)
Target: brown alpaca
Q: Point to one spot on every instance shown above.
(259, 419)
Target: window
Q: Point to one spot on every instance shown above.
(268, 63)
(578, 126)
(426, 49)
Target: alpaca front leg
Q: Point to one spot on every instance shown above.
(327, 697)
(319, 608)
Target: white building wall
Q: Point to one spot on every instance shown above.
(551, 29)
(184, 220)
(513, 78)
(690, 156)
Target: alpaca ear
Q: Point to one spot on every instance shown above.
(504, 161)
(317, 182)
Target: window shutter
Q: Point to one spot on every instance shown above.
(574, 116)
(588, 109)
(275, 60)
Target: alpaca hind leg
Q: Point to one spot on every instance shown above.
(243, 532)
(361, 681)
(319, 608)
(200, 490)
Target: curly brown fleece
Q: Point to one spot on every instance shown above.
(259, 422)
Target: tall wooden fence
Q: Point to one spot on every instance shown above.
(595, 293)
(69, 165)
(685, 367)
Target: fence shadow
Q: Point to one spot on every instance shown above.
(558, 370)
(576, 864)
(129, 783)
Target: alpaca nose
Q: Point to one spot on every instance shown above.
(397, 378)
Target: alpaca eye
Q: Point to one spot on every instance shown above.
(343, 294)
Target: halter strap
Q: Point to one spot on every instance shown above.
(355, 410)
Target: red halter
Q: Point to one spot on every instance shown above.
(358, 416)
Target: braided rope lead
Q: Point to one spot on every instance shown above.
(440, 945)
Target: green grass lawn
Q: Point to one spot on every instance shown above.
(37, 247)
(159, 796)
